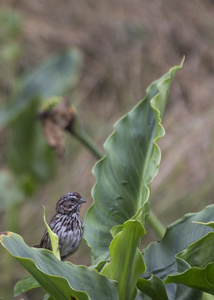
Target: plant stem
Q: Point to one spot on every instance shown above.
(76, 129)
(88, 142)
(157, 226)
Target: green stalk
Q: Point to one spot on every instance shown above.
(157, 226)
(87, 141)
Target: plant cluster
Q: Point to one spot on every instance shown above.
(179, 266)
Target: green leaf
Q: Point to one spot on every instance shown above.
(53, 78)
(196, 265)
(153, 287)
(160, 256)
(210, 224)
(54, 240)
(124, 175)
(10, 190)
(47, 297)
(25, 284)
(10, 24)
(61, 280)
(127, 262)
(29, 155)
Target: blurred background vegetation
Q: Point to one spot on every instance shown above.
(122, 47)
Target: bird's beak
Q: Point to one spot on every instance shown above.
(81, 200)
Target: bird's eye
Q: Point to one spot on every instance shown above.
(73, 198)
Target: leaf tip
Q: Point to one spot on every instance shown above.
(6, 233)
(183, 59)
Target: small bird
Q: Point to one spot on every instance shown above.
(67, 224)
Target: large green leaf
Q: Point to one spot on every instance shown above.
(62, 280)
(127, 262)
(153, 287)
(196, 265)
(54, 77)
(10, 191)
(132, 160)
(25, 284)
(160, 256)
(29, 154)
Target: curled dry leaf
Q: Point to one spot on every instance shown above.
(55, 119)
